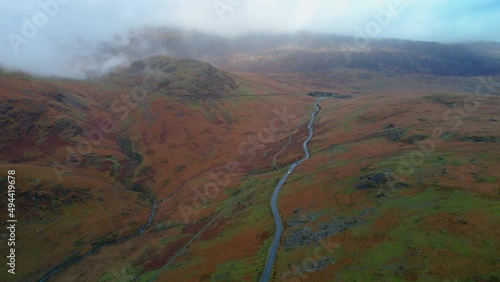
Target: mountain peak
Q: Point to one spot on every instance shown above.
(175, 76)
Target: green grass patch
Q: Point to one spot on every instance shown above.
(487, 179)
(180, 168)
(384, 252)
(345, 120)
(211, 117)
(242, 90)
(338, 149)
(126, 273)
(232, 270)
(433, 199)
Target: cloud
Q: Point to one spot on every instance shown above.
(48, 36)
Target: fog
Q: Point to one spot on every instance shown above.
(66, 37)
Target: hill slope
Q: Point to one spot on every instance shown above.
(154, 175)
(178, 77)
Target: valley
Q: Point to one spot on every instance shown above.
(165, 170)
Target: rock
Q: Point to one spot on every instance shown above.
(381, 193)
(374, 180)
(474, 161)
(444, 172)
(387, 126)
(306, 236)
(415, 138)
(328, 94)
(402, 185)
(479, 139)
(395, 135)
(367, 211)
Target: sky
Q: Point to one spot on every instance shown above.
(43, 36)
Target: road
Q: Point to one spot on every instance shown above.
(273, 249)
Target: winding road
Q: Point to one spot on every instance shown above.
(273, 249)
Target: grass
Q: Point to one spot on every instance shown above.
(126, 273)
(180, 168)
(228, 118)
(165, 182)
(259, 191)
(338, 149)
(432, 199)
(382, 260)
(426, 166)
(243, 90)
(382, 253)
(232, 270)
(487, 179)
(116, 166)
(211, 117)
(162, 226)
(445, 99)
(234, 225)
(347, 119)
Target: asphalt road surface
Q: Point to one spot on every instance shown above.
(273, 249)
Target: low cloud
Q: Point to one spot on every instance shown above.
(57, 37)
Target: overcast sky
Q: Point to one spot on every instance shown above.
(66, 28)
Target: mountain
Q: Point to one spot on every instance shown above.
(393, 56)
(178, 77)
(164, 169)
(91, 146)
(307, 53)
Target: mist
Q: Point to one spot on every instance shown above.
(71, 38)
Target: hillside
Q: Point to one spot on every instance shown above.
(116, 149)
(178, 77)
(164, 169)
